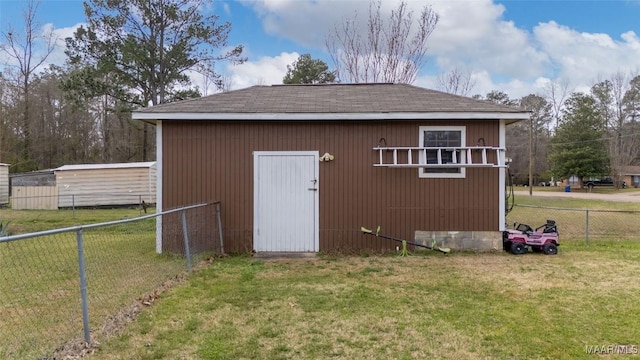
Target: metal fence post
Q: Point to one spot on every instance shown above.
(186, 240)
(587, 227)
(219, 227)
(83, 287)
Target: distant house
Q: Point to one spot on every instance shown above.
(631, 175)
(300, 168)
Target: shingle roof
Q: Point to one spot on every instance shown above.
(330, 99)
(631, 170)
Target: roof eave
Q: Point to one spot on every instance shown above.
(152, 117)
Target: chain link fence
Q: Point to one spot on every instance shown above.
(62, 290)
(581, 224)
(78, 201)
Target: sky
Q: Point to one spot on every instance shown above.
(515, 46)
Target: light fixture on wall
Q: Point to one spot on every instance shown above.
(326, 157)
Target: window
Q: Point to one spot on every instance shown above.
(573, 180)
(442, 137)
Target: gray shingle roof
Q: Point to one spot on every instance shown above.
(331, 98)
(631, 170)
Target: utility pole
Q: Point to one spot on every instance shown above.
(530, 155)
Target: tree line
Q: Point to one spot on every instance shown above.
(138, 53)
(130, 54)
(575, 134)
(570, 134)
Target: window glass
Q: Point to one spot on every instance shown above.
(443, 138)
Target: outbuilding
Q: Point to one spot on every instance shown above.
(4, 184)
(300, 168)
(113, 184)
(34, 190)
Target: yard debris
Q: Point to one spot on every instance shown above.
(150, 298)
(433, 246)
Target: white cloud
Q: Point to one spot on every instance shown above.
(306, 22)
(56, 57)
(264, 71)
(474, 35)
(227, 10)
(585, 57)
(471, 34)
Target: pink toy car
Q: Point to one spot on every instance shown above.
(519, 240)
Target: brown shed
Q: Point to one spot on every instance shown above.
(303, 167)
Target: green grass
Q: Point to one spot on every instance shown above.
(27, 221)
(597, 190)
(40, 306)
(574, 203)
(459, 306)
(611, 221)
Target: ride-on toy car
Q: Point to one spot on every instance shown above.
(519, 240)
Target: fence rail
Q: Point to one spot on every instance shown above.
(66, 286)
(578, 224)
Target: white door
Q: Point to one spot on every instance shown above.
(285, 201)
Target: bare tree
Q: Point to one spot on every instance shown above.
(613, 97)
(539, 134)
(28, 51)
(392, 51)
(556, 93)
(226, 83)
(456, 81)
(204, 69)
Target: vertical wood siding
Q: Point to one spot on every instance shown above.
(208, 161)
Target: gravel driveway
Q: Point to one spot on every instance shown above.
(617, 196)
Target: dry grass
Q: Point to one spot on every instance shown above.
(460, 306)
(40, 307)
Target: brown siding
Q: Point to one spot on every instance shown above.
(207, 161)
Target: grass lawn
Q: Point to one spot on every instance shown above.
(463, 305)
(597, 189)
(40, 306)
(575, 203)
(26, 221)
(621, 224)
(459, 306)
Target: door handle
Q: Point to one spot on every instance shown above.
(312, 189)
